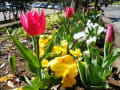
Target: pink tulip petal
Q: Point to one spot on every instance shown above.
(24, 21)
(42, 22)
(35, 15)
(110, 36)
(32, 24)
(73, 10)
(69, 12)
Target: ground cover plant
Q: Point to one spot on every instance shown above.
(69, 56)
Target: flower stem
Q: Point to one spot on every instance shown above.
(35, 40)
(37, 45)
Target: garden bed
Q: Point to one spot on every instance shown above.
(17, 80)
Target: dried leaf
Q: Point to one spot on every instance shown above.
(3, 79)
(10, 76)
(1, 66)
(10, 84)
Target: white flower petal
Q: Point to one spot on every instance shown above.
(90, 40)
(80, 35)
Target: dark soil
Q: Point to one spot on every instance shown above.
(6, 49)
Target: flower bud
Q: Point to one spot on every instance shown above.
(110, 36)
(69, 12)
(84, 10)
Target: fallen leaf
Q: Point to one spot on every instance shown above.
(1, 66)
(10, 84)
(3, 79)
(10, 76)
(18, 80)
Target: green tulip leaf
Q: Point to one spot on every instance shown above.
(12, 63)
(26, 53)
(28, 81)
(81, 69)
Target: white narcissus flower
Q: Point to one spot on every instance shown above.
(86, 30)
(90, 26)
(98, 15)
(105, 30)
(88, 22)
(90, 40)
(87, 53)
(81, 36)
(93, 16)
(95, 25)
(100, 30)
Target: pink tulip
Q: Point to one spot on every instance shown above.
(84, 10)
(69, 12)
(32, 23)
(110, 36)
(89, 8)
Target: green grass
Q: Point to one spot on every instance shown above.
(117, 3)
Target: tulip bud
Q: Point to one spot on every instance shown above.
(32, 23)
(110, 36)
(69, 12)
(84, 10)
(89, 8)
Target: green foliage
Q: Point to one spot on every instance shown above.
(32, 61)
(26, 53)
(42, 79)
(96, 69)
(46, 82)
(12, 63)
(92, 74)
(110, 58)
(53, 20)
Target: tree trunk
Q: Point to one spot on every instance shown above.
(75, 4)
(96, 3)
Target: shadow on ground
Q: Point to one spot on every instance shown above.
(114, 19)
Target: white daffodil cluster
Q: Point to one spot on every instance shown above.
(90, 34)
(91, 40)
(96, 27)
(81, 36)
